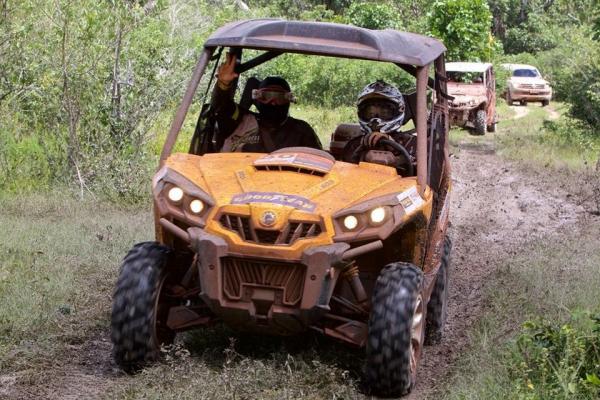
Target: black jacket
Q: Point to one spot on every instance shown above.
(290, 133)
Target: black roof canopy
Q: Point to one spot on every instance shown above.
(328, 39)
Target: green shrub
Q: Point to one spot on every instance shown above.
(464, 27)
(574, 72)
(373, 15)
(531, 36)
(570, 132)
(330, 81)
(555, 361)
(29, 160)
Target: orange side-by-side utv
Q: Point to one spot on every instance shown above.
(296, 240)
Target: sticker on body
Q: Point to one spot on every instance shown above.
(410, 200)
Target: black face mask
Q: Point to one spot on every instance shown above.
(271, 113)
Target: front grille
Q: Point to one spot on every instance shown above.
(532, 86)
(294, 230)
(239, 224)
(268, 237)
(239, 274)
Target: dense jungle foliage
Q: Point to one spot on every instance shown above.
(83, 83)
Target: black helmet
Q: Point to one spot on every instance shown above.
(380, 108)
(272, 99)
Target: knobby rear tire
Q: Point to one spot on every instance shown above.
(396, 295)
(137, 332)
(437, 308)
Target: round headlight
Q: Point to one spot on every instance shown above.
(175, 194)
(196, 206)
(350, 222)
(377, 215)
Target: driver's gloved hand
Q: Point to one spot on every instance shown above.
(370, 140)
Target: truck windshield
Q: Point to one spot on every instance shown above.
(526, 73)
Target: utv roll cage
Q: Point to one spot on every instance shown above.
(413, 53)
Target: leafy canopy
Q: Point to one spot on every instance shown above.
(464, 27)
(374, 15)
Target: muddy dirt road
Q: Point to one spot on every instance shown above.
(496, 209)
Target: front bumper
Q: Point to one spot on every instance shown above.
(266, 295)
(530, 95)
(459, 116)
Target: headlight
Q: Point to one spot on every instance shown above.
(196, 206)
(175, 194)
(178, 198)
(377, 215)
(350, 222)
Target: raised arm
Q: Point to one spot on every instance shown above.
(226, 110)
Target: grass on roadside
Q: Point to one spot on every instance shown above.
(561, 143)
(554, 279)
(59, 258)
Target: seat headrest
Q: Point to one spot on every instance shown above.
(346, 131)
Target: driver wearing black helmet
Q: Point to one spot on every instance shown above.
(380, 108)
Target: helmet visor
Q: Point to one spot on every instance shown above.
(273, 95)
(376, 108)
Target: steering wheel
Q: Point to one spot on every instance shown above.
(405, 159)
(410, 171)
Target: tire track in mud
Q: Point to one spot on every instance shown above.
(496, 208)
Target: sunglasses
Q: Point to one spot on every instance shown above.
(384, 110)
(273, 95)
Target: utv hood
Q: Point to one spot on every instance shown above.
(306, 183)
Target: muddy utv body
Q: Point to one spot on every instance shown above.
(473, 88)
(297, 240)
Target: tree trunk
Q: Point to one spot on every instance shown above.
(116, 87)
(71, 108)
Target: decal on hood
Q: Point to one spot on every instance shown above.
(298, 202)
